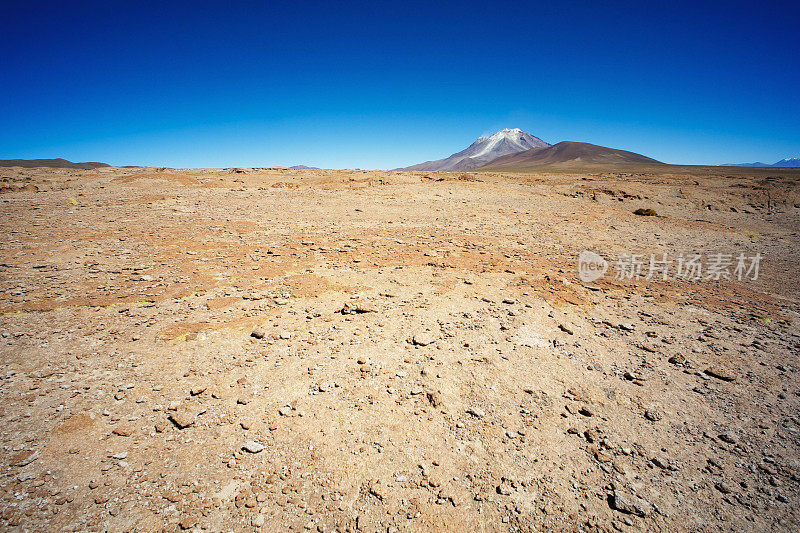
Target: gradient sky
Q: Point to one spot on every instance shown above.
(386, 84)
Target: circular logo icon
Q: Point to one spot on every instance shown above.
(591, 266)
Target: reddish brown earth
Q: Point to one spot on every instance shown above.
(430, 359)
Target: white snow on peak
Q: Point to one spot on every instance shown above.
(486, 149)
(514, 136)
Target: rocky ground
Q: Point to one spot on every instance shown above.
(271, 349)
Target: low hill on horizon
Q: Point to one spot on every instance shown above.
(51, 163)
(568, 153)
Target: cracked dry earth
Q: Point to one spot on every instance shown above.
(265, 349)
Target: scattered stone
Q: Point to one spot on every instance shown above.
(723, 487)
(730, 438)
(653, 415)
(185, 416)
(378, 490)
(645, 212)
(677, 359)
(197, 390)
(358, 307)
(661, 462)
(123, 430)
(435, 398)
(171, 496)
(423, 339)
(24, 458)
(258, 333)
(629, 504)
(506, 486)
(721, 373)
(253, 446)
(189, 521)
(477, 412)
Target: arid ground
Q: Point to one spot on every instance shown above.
(271, 349)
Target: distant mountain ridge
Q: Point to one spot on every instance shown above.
(786, 162)
(51, 163)
(568, 154)
(484, 150)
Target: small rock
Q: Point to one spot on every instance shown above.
(477, 412)
(677, 359)
(123, 430)
(258, 333)
(357, 306)
(253, 446)
(423, 339)
(721, 373)
(629, 503)
(24, 458)
(653, 415)
(723, 487)
(661, 462)
(435, 398)
(184, 416)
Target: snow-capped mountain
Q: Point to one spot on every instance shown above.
(485, 150)
(787, 162)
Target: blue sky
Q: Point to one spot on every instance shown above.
(386, 84)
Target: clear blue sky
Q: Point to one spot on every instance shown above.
(384, 84)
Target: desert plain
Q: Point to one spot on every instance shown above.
(312, 350)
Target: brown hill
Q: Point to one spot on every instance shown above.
(568, 154)
(51, 163)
